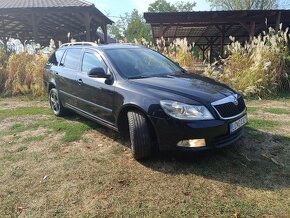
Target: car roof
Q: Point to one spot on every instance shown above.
(104, 46)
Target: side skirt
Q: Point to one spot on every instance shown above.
(92, 117)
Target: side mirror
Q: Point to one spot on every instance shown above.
(98, 72)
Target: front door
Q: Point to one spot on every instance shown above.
(95, 95)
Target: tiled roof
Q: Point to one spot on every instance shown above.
(9, 4)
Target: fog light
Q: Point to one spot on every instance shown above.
(192, 143)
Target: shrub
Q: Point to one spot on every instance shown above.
(258, 67)
(25, 74)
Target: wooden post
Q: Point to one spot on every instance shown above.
(4, 40)
(211, 54)
(34, 28)
(252, 30)
(94, 30)
(105, 30)
(223, 42)
(278, 21)
(88, 26)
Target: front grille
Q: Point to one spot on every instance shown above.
(229, 109)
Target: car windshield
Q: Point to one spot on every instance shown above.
(134, 63)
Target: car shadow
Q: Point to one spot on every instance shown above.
(257, 161)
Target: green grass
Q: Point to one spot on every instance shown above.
(277, 111)
(282, 139)
(37, 138)
(254, 134)
(252, 109)
(73, 131)
(24, 111)
(263, 124)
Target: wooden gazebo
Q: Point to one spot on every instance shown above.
(42, 20)
(210, 30)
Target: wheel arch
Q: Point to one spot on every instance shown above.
(123, 125)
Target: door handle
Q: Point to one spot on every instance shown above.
(80, 82)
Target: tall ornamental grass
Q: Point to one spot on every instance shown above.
(24, 74)
(3, 69)
(257, 68)
(179, 51)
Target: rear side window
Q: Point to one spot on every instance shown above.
(72, 58)
(56, 58)
(92, 60)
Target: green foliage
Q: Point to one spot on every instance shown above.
(244, 4)
(164, 6)
(130, 28)
(136, 27)
(257, 67)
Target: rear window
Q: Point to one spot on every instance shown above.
(72, 58)
(56, 58)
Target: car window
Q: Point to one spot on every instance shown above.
(72, 58)
(92, 60)
(56, 57)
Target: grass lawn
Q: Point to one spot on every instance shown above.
(72, 167)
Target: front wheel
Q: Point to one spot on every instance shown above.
(139, 135)
(55, 103)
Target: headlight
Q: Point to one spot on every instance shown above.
(185, 111)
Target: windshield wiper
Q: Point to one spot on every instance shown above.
(138, 77)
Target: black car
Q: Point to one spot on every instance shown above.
(144, 95)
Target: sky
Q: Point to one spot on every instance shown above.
(116, 8)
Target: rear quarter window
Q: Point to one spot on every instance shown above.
(56, 58)
(72, 58)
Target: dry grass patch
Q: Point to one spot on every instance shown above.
(71, 167)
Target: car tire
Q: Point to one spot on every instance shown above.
(55, 103)
(139, 135)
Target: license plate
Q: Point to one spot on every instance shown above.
(238, 124)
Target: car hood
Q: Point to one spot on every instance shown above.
(192, 86)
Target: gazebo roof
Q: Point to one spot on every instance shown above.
(46, 19)
(203, 26)
(5, 4)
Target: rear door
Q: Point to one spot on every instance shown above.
(95, 95)
(66, 76)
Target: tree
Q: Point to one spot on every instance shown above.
(244, 4)
(164, 6)
(137, 28)
(130, 27)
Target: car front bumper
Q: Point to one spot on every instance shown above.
(216, 133)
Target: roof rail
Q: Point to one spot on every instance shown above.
(78, 43)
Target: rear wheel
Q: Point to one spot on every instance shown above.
(139, 135)
(55, 103)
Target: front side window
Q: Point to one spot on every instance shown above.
(92, 60)
(72, 58)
